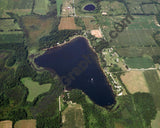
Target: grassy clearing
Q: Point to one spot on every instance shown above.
(6, 124)
(90, 23)
(153, 81)
(72, 117)
(34, 88)
(139, 62)
(135, 81)
(156, 123)
(25, 124)
(41, 7)
(59, 4)
(68, 23)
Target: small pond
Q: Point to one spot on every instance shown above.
(89, 7)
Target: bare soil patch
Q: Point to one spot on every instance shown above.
(96, 33)
(135, 81)
(68, 23)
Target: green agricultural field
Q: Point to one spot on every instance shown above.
(8, 26)
(59, 4)
(139, 62)
(138, 33)
(11, 38)
(135, 8)
(150, 9)
(41, 7)
(141, 6)
(153, 81)
(136, 40)
(21, 7)
(143, 22)
(34, 88)
(138, 51)
(113, 8)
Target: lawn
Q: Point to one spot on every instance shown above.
(72, 117)
(153, 81)
(59, 4)
(34, 88)
(139, 62)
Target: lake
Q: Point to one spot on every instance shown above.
(89, 7)
(78, 68)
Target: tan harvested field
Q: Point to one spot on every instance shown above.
(72, 117)
(135, 81)
(25, 124)
(37, 27)
(68, 23)
(6, 124)
(96, 33)
(90, 23)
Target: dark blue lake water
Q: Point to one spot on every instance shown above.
(89, 7)
(78, 68)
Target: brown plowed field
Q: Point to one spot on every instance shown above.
(67, 23)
